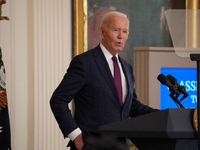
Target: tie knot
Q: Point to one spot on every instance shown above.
(114, 58)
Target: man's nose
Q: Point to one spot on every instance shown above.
(120, 35)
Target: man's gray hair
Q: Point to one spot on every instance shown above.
(112, 13)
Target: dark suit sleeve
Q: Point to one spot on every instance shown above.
(137, 108)
(72, 82)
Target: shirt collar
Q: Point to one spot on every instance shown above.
(106, 53)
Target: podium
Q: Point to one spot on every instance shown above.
(170, 129)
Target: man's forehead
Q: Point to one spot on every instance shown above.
(118, 19)
(116, 26)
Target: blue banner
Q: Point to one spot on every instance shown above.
(186, 77)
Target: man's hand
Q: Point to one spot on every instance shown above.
(78, 141)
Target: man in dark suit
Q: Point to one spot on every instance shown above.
(90, 81)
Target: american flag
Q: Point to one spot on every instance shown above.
(5, 138)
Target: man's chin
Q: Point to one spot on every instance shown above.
(119, 50)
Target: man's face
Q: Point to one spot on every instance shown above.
(114, 36)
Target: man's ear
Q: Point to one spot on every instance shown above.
(102, 32)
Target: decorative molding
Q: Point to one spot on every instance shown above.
(50, 59)
(80, 26)
(141, 72)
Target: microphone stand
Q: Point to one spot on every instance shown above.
(184, 96)
(196, 57)
(176, 100)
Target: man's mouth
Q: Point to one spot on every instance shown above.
(119, 43)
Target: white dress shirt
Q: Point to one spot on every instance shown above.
(109, 56)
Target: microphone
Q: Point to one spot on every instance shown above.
(173, 89)
(181, 89)
(165, 81)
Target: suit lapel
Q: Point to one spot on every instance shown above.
(127, 76)
(105, 70)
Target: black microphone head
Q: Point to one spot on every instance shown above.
(162, 78)
(165, 81)
(172, 79)
(174, 82)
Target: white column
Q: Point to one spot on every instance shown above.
(51, 42)
(37, 48)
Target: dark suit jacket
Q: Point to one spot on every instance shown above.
(89, 81)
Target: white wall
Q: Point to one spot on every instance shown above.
(37, 48)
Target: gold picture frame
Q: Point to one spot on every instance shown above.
(80, 26)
